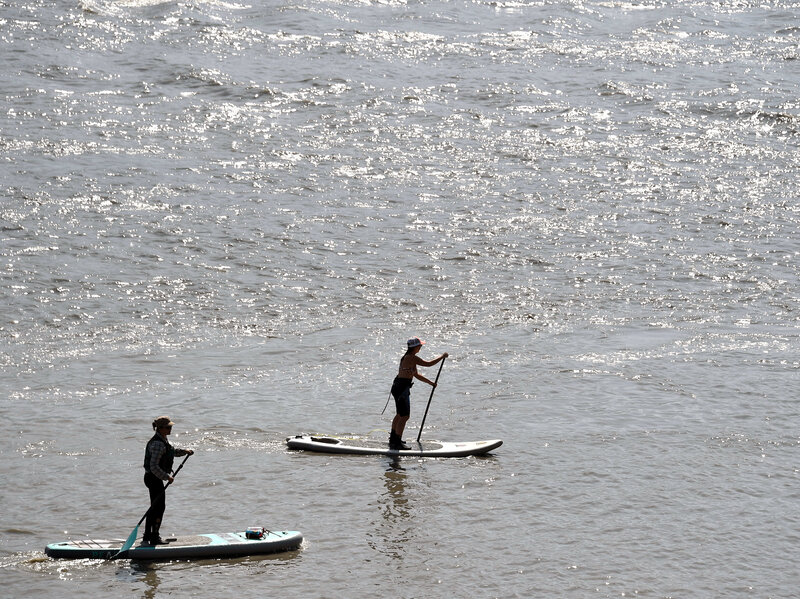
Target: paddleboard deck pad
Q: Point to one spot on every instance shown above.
(232, 544)
(434, 449)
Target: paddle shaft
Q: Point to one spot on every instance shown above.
(429, 399)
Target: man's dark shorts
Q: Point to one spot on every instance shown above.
(401, 390)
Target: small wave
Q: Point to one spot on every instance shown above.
(95, 7)
(612, 88)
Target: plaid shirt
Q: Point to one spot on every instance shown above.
(158, 447)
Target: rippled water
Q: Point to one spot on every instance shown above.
(236, 213)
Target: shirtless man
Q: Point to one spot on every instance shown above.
(401, 389)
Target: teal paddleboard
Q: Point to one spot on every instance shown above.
(231, 544)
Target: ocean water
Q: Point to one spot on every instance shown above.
(236, 213)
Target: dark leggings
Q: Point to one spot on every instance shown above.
(158, 503)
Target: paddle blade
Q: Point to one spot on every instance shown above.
(128, 542)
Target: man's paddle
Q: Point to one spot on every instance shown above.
(135, 532)
(430, 398)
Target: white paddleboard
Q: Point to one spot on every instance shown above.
(434, 449)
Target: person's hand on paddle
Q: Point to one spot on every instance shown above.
(187, 454)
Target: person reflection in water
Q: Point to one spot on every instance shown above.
(401, 389)
(159, 456)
